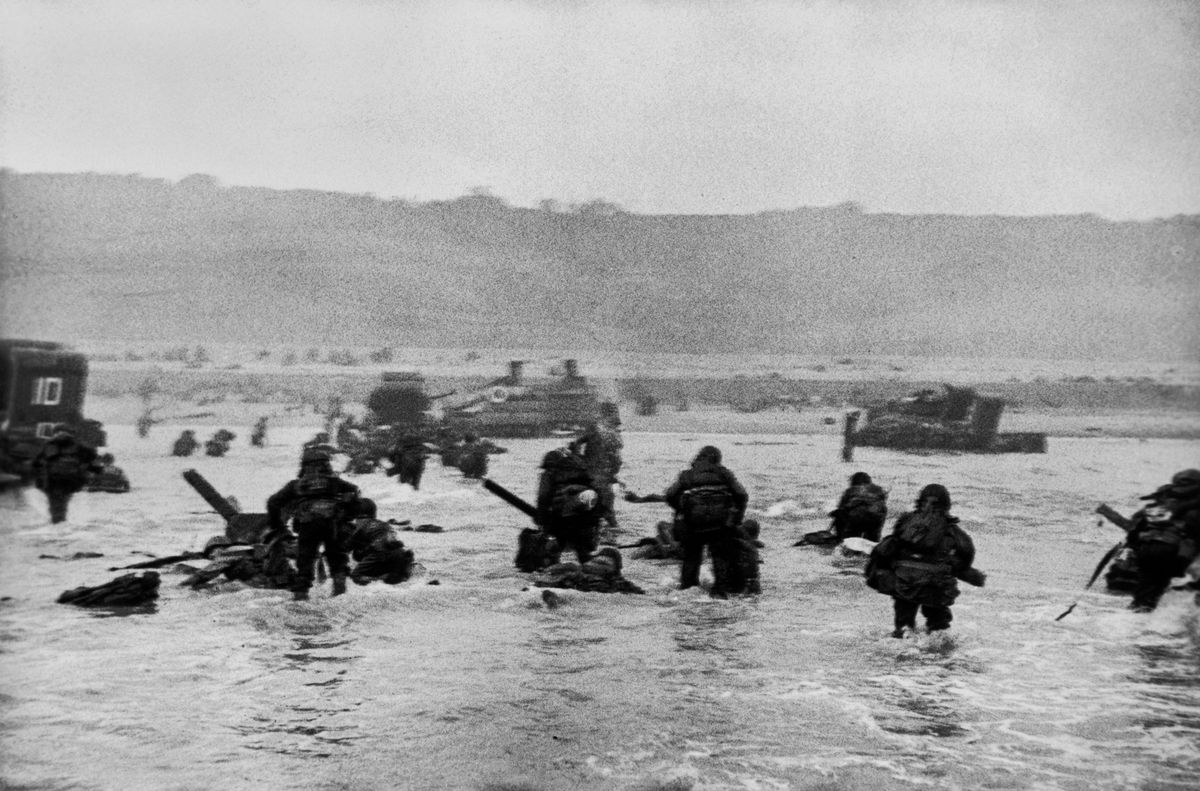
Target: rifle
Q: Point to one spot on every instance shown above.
(160, 562)
(1121, 522)
(511, 499)
(1115, 517)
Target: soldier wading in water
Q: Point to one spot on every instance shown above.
(319, 503)
(710, 502)
(919, 563)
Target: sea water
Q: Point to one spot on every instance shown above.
(474, 683)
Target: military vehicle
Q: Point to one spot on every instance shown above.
(958, 420)
(513, 406)
(399, 407)
(42, 385)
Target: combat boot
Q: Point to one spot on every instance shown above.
(339, 585)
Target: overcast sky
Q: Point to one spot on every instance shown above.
(1005, 107)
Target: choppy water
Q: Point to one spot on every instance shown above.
(474, 684)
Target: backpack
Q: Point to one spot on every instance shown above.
(566, 501)
(318, 501)
(867, 498)
(707, 508)
(924, 532)
(880, 573)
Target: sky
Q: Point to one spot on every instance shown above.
(972, 107)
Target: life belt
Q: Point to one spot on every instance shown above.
(497, 395)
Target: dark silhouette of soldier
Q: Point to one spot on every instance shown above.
(1165, 536)
(258, 435)
(408, 460)
(710, 503)
(472, 457)
(320, 503)
(218, 444)
(921, 561)
(378, 552)
(861, 511)
(600, 447)
(185, 444)
(567, 503)
(61, 468)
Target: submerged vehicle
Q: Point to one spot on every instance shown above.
(958, 420)
(513, 406)
(42, 386)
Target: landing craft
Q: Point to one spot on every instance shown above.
(42, 385)
(958, 420)
(513, 406)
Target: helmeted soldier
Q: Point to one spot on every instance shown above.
(185, 444)
(1165, 536)
(320, 503)
(61, 468)
(710, 503)
(408, 459)
(567, 503)
(922, 559)
(258, 435)
(600, 447)
(861, 511)
(378, 552)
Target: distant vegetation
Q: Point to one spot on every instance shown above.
(133, 258)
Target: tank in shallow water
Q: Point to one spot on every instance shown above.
(957, 420)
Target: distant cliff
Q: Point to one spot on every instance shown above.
(132, 258)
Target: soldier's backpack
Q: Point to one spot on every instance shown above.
(707, 509)
(880, 572)
(319, 502)
(924, 532)
(64, 464)
(869, 499)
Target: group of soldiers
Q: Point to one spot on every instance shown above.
(574, 507)
(918, 564)
(216, 446)
(329, 515)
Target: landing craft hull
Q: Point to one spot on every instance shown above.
(960, 421)
(42, 385)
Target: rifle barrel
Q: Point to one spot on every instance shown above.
(510, 498)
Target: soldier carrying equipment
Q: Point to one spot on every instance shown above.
(710, 503)
(319, 503)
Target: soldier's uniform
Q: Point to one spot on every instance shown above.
(378, 553)
(258, 436)
(1165, 536)
(186, 444)
(61, 468)
(408, 460)
(861, 511)
(922, 559)
(567, 503)
(711, 503)
(600, 447)
(320, 504)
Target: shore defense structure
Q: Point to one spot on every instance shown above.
(957, 420)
